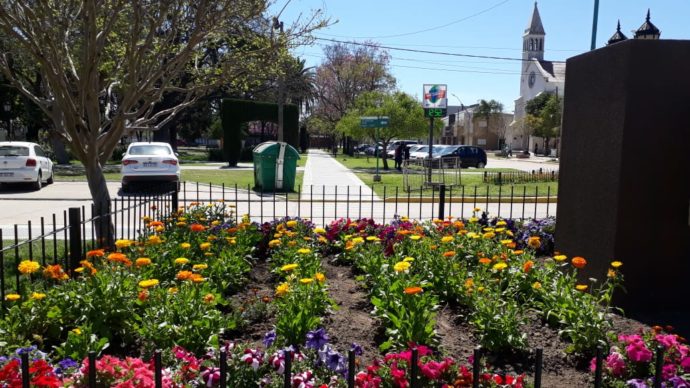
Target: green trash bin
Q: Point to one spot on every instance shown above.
(275, 166)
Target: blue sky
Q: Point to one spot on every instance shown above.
(478, 27)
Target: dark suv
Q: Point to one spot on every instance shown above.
(470, 156)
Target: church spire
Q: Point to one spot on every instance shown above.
(535, 27)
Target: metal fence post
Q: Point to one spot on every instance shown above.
(74, 238)
(441, 202)
(175, 201)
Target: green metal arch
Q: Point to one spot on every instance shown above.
(234, 112)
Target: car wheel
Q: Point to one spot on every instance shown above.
(39, 182)
(481, 165)
(50, 180)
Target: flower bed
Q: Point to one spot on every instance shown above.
(189, 284)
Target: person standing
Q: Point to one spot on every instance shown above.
(398, 156)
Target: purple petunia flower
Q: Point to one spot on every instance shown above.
(269, 338)
(332, 359)
(637, 383)
(317, 338)
(357, 349)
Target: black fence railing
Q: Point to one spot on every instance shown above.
(414, 370)
(65, 238)
(520, 177)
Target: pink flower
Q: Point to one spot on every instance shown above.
(638, 352)
(615, 364)
(253, 357)
(628, 339)
(685, 364)
(668, 340)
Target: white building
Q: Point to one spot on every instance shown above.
(537, 76)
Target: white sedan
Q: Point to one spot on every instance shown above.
(147, 162)
(24, 162)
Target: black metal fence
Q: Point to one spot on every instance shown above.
(520, 177)
(414, 371)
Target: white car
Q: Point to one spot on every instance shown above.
(146, 162)
(23, 162)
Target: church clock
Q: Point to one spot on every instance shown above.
(531, 79)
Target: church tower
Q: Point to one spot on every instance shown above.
(533, 38)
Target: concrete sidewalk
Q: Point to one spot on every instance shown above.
(324, 177)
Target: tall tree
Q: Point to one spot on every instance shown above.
(347, 72)
(107, 64)
(492, 111)
(406, 119)
(544, 113)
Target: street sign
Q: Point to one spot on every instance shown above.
(373, 122)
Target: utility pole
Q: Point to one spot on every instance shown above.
(278, 25)
(594, 25)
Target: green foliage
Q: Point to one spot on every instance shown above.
(544, 115)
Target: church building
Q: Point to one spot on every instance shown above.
(537, 76)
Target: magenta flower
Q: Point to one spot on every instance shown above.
(667, 340)
(211, 376)
(615, 364)
(685, 364)
(668, 371)
(638, 352)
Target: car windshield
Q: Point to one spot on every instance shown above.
(14, 151)
(149, 149)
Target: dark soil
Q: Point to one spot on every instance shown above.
(352, 322)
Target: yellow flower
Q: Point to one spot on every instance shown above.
(304, 251)
(123, 243)
(373, 238)
(499, 230)
(288, 267)
(292, 243)
(500, 266)
(38, 295)
(181, 261)
(488, 235)
(501, 223)
(536, 285)
(155, 239)
(305, 238)
(12, 297)
(509, 233)
(616, 264)
(282, 289)
(319, 230)
(611, 273)
(76, 331)
(472, 235)
(415, 237)
(208, 298)
(506, 242)
(408, 259)
(321, 278)
(560, 258)
(306, 280)
(205, 246)
(172, 290)
(148, 283)
(198, 267)
(476, 209)
(469, 283)
(185, 245)
(160, 229)
(211, 237)
(401, 266)
(488, 229)
(473, 220)
(215, 223)
(446, 239)
(231, 240)
(181, 224)
(291, 223)
(273, 243)
(27, 267)
(581, 287)
(142, 261)
(534, 242)
(357, 240)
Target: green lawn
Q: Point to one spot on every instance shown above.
(369, 164)
(391, 180)
(217, 177)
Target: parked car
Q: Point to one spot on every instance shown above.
(423, 151)
(150, 162)
(390, 151)
(373, 150)
(23, 162)
(470, 156)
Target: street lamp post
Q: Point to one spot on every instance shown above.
(7, 107)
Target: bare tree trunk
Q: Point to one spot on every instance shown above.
(101, 201)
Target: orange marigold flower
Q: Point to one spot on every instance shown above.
(55, 272)
(527, 266)
(449, 254)
(485, 261)
(196, 278)
(413, 290)
(117, 257)
(534, 242)
(197, 228)
(87, 265)
(154, 224)
(578, 262)
(95, 253)
(184, 275)
(142, 261)
(208, 298)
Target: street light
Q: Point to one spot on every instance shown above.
(7, 107)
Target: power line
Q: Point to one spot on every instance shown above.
(428, 51)
(425, 30)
